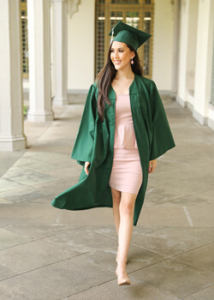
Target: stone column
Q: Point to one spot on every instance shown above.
(39, 61)
(176, 6)
(203, 68)
(60, 52)
(183, 41)
(11, 93)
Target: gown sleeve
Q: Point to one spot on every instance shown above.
(162, 139)
(83, 146)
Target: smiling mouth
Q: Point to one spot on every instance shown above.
(117, 61)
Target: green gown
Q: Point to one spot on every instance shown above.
(95, 144)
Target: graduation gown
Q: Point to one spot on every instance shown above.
(95, 143)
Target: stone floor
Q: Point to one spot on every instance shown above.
(52, 254)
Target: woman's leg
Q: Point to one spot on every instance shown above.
(116, 195)
(126, 210)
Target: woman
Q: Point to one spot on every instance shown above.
(123, 130)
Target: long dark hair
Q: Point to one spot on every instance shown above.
(106, 76)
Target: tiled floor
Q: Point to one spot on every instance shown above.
(52, 254)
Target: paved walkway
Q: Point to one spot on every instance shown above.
(49, 254)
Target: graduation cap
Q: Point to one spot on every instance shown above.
(125, 33)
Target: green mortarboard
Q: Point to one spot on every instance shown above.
(125, 33)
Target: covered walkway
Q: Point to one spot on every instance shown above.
(50, 254)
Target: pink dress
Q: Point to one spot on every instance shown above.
(126, 174)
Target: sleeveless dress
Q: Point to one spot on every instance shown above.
(126, 174)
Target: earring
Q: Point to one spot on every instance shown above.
(132, 61)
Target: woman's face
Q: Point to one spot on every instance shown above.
(121, 55)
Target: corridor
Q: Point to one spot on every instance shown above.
(51, 254)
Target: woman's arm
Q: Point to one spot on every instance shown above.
(152, 165)
(87, 164)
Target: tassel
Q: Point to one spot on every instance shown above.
(112, 35)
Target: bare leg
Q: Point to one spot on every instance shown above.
(116, 195)
(126, 210)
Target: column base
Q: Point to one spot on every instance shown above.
(57, 101)
(181, 101)
(12, 143)
(40, 117)
(201, 119)
(210, 123)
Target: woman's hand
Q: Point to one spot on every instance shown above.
(152, 165)
(87, 164)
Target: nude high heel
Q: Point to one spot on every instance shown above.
(123, 280)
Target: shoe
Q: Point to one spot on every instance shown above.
(123, 280)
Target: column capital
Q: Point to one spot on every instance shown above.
(73, 6)
(59, 0)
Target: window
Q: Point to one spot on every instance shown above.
(24, 32)
(137, 13)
